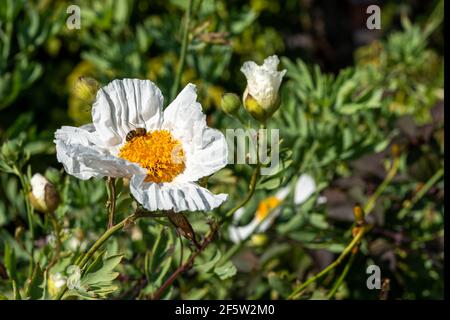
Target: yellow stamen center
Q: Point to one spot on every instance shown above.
(158, 152)
(266, 206)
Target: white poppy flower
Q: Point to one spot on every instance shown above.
(268, 209)
(263, 83)
(176, 149)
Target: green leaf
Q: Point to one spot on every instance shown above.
(318, 220)
(208, 266)
(97, 281)
(16, 292)
(269, 184)
(36, 285)
(10, 261)
(226, 270)
(103, 270)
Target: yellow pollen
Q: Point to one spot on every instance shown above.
(266, 206)
(158, 152)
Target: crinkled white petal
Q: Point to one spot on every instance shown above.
(174, 196)
(125, 105)
(206, 149)
(304, 188)
(82, 156)
(263, 82)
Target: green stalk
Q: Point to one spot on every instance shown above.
(251, 191)
(422, 192)
(25, 191)
(341, 278)
(333, 265)
(184, 45)
(391, 174)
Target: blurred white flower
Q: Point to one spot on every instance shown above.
(168, 152)
(55, 282)
(73, 243)
(58, 280)
(268, 209)
(261, 98)
(43, 195)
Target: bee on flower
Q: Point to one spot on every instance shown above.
(164, 163)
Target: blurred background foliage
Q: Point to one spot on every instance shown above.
(349, 94)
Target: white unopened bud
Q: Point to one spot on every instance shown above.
(261, 98)
(43, 195)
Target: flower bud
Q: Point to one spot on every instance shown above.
(43, 195)
(259, 239)
(230, 103)
(86, 89)
(261, 98)
(359, 214)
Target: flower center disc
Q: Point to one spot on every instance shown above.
(158, 152)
